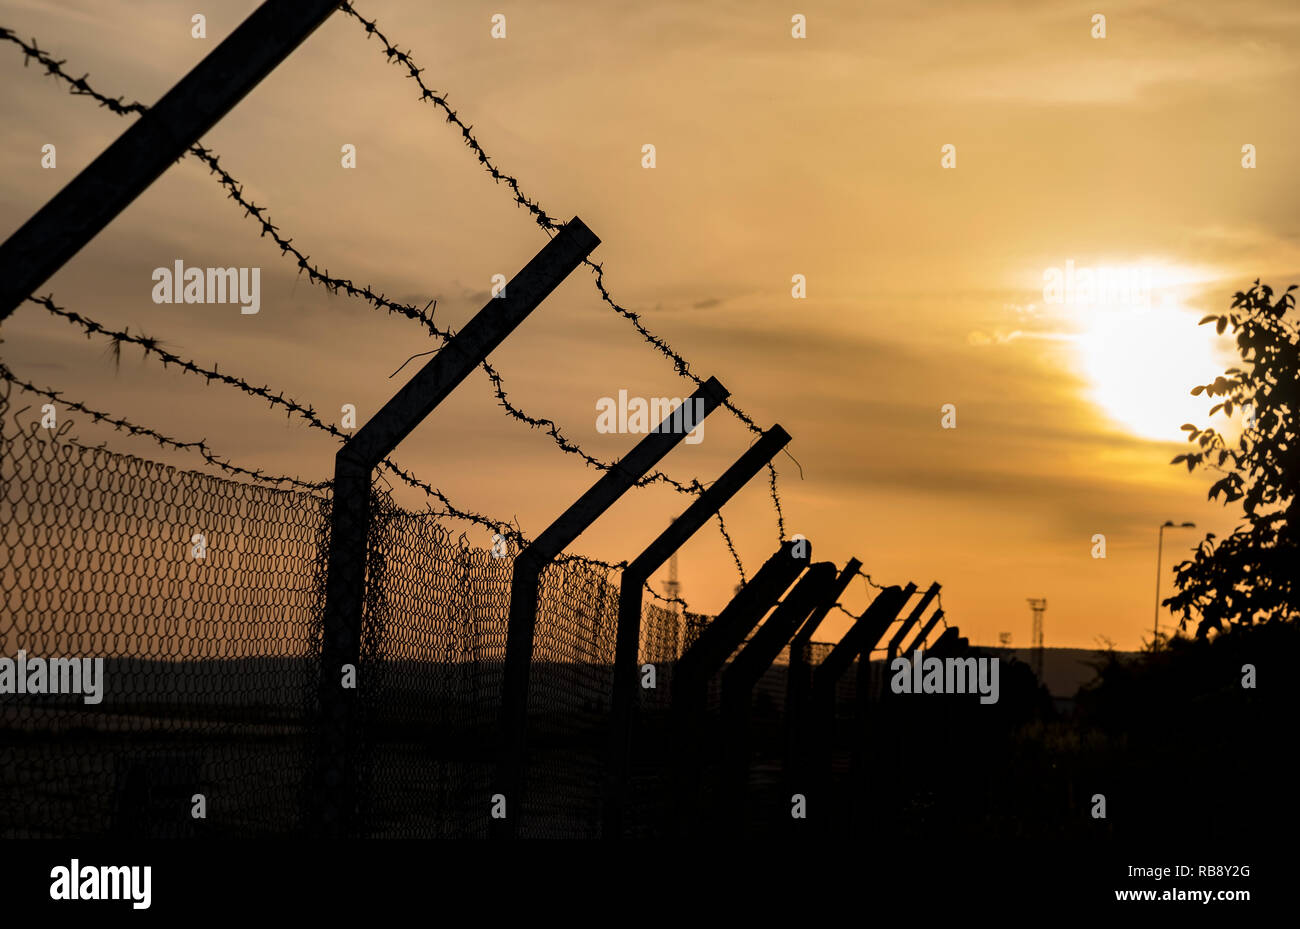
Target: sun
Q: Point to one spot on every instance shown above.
(1141, 360)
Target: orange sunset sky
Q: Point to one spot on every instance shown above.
(775, 156)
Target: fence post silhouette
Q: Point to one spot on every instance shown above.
(106, 187)
(707, 654)
(798, 681)
(906, 724)
(739, 678)
(905, 627)
(945, 642)
(634, 577)
(526, 579)
(868, 691)
(350, 517)
(856, 643)
(919, 641)
(128, 166)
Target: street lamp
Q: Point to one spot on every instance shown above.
(1160, 544)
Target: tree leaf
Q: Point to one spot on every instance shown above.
(1245, 577)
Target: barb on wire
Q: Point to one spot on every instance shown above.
(335, 285)
(344, 285)
(291, 407)
(123, 425)
(224, 464)
(151, 346)
(549, 224)
(80, 86)
(722, 527)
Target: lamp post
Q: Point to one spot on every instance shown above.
(1160, 544)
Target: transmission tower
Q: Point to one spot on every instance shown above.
(672, 589)
(1039, 606)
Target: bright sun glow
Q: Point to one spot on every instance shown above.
(1142, 362)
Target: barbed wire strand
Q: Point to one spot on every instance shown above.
(224, 464)
(308, 415)
(551, 225)
(943, 615)
(81, 87)
(123, 425)
(151, 346)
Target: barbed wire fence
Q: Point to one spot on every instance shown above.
(235, 191)
(435, 606)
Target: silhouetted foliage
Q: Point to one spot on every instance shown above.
(1248, 577)
(1196, 735)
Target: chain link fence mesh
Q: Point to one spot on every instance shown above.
(204, 596)
(199, 595)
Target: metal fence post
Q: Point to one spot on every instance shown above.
(856, 643)
(868, 690)
(906, 627)
(635, 575)
(106, 187)
(707, 654)
(923, 718)
(744, 672)
(798, 683)
(919, 641)
(526, 579)
(335, 787)
(945, 643)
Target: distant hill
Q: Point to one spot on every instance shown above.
(1065, 669)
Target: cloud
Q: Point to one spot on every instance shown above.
(1002, 338)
